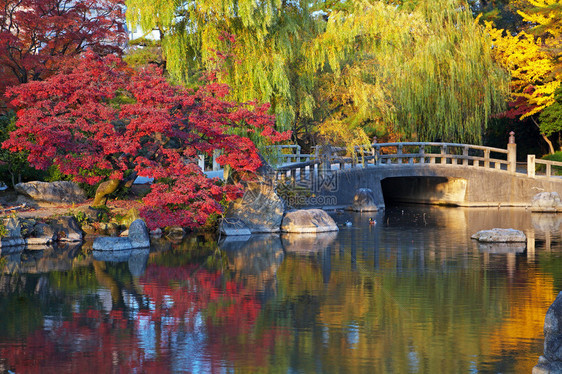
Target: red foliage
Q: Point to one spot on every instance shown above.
(37, 36)
(520, 105)
(100, 119)
(183, 300)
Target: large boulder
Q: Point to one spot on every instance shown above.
(52, 192)
(364, 201)
(138, 238)
(500, 236)
(67, 229)
(234, 227)
(138, 234)
(307, 221)
(260, 209)
(41, 235)
(546, 202)
(551, 360)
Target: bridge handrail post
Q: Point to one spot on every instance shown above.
(377, 150)
(486, 158)
(216, 153)
(201, 162)
(422, 153)
(512, 153)
(399, 153)
(374, 150)
(443, 153)
(465, 155)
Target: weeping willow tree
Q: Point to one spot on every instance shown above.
(425, 70)
(255, 47)
(344, 69)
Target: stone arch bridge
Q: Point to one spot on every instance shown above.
(434, 173)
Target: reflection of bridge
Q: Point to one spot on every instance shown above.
(438, 173)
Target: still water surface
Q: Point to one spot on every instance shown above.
(411, 294)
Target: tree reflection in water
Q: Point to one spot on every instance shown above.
(411, 294)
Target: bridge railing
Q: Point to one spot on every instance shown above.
(441, 154)
(280, 155)
(328, 159)
(542, 168)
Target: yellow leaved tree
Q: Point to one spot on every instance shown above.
(533, 57)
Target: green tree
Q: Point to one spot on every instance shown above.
(423, 69)
(551, 116)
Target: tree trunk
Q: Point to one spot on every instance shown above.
(550, 146)
(546, 139)
(103, 190)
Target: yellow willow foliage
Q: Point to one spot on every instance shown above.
(530, 65)
(433, 63)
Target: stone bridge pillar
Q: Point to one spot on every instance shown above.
(512, 153)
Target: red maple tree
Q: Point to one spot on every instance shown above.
(101, 120)
(37, 36)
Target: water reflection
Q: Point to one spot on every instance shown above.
(412, 293)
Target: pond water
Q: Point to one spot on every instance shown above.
(411, 294)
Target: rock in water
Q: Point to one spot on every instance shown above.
(52, 192)
(233, 227)
(500, 236)
(545, 202)
(42, 234)
(138, 238)
(138, 234)
(67, 229)
(13, 236)
(308, 220)
(260, 209)
(551, 360)
(364, 201)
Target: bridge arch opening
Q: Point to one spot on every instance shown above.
(424, 190)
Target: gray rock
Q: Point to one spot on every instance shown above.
(551, 360)
(500, 236)
(156, 232)
(13, 231)
(138, 238)
(307, 221)
(364, 201)
(52, 192)
(545, 202)
(138, 234)
(233, 227)
(112, 243)
(260, 209)
(42, 234)
(109, 228)
(67, 229)
(13, 226)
